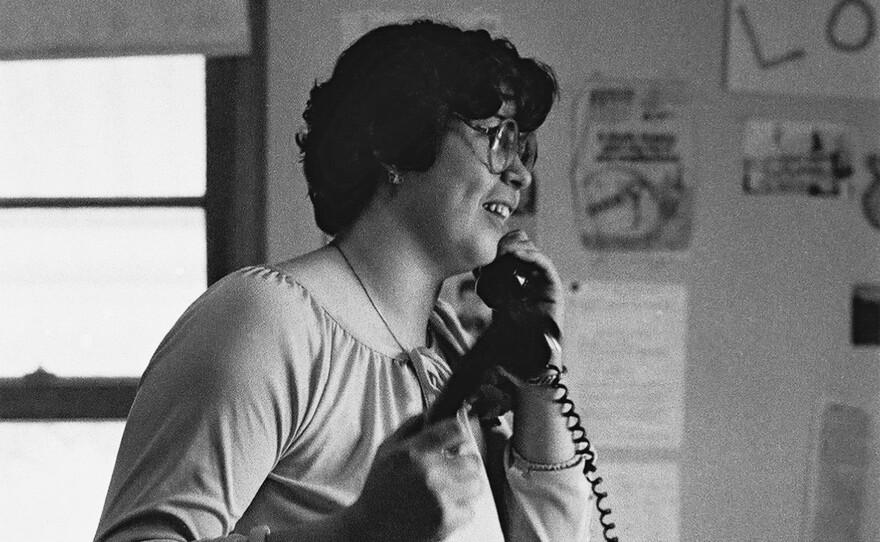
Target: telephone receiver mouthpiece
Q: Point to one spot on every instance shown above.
(507, 279)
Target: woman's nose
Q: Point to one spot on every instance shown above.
(517, 175)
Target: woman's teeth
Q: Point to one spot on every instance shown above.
(499, 209)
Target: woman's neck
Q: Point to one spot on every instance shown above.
(399, 278)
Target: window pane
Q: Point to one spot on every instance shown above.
(132, 126)
(89, 292)
(54, 478)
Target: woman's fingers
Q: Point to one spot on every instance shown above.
(423, 482)
(517, 242)
(546, 290)
(452, 464)
(514, 239)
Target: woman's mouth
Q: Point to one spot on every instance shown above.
(502, 210)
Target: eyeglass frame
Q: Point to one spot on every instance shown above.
(494, 132)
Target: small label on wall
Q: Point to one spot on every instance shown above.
(803, 158)
(866, 315)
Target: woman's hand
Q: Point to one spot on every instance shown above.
(525, 313)
(541, 433)
(545, 293)
(421, 485)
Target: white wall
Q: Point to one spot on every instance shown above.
(768, 278)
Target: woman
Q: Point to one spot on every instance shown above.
(287, 403)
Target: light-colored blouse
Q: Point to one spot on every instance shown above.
(259, 408)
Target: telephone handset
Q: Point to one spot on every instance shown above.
(502, 285)
(505, 281)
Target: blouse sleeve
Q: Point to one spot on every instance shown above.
(537, 502)
(215, 410)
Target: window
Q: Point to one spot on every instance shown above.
(103, 231)
(122, 195)
(102, 224)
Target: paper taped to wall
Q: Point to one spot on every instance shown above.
(841, 469)
(629, 175)
(628, 339)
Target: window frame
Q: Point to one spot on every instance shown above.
(234, 204)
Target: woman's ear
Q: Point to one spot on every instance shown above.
(394, 176)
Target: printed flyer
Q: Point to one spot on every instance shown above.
(785, 157)
(635, 335)
(630, 165)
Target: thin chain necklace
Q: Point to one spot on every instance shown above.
(369, 297)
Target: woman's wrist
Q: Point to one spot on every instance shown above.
(541, 433)
(548, 378)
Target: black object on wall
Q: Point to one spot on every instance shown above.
(866, 315)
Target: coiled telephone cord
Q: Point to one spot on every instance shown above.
(464, 382)
(583, 447)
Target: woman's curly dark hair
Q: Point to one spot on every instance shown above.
(388, 102)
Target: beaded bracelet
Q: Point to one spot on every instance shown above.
(526, 465)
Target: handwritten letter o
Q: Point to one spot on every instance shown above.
(834, 18)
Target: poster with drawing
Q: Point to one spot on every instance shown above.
(803, 158)
(631, 162)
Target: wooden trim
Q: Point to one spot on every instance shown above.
(75, 203)
(235, 197)
(47, 397)
(90, 28)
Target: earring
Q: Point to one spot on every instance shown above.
(393, 175)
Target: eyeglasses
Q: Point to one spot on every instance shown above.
(506, 143)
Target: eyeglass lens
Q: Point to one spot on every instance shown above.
(508, 143)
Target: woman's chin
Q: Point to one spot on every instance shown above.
(476, 252)
(485, 254)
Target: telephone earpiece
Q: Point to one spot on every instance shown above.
(507, 279)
